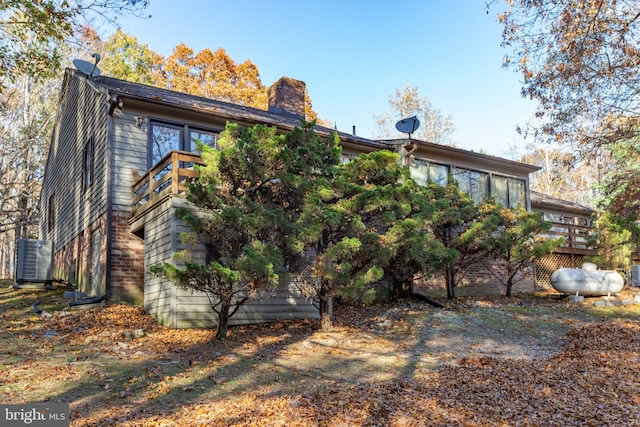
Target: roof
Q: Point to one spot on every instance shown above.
(543, 201)
(154, 95)
(123, 89)
(455, 155)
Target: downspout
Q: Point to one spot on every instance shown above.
(113, 103)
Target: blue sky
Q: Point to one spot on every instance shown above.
(354, 54)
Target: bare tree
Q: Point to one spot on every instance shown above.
(434, 127)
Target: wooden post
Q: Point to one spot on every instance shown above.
(175, 169)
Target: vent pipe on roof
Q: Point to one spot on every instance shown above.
(354, 130)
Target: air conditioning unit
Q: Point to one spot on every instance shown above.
(34, 259)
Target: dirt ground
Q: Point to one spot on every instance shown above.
(526, 360)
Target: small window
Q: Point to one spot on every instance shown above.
(51, 209)
(438, 174)
(420, 171)
(88, 164)
(346, 158)
(516, 192)
(203, 136)
(500, 190)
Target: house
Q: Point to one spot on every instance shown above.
(115, 174)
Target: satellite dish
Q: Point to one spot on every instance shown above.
(408, 125)
(86, 67)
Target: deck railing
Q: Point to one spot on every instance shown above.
(168, 176)
(576, 237)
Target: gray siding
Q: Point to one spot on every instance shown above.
(159, 293)
(182, 308)
(130, 154)
(83, 114)
(284, 304)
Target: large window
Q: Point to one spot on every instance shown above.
(424, 172)
(474, 183)
(165, 137)
(509, 192)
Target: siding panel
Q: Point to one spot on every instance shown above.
(182, 308)
(82, 114)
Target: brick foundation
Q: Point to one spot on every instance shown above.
(127, 262)
(73, 262)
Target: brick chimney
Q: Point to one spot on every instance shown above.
(286, 97)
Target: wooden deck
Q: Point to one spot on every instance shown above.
(576, 238)
(168, 176)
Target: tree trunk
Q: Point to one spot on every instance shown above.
(509, 286)
(223, 322)
(510, 275)
(324, 297)
(450, 280)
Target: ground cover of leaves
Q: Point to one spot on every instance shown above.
(533, 360)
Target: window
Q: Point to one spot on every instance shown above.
(203, 136)
(500, 189)
(165, 137)
(420, 171)
(424, 172)
(87, 164)
(509, 192)
(51, 209)
(346, 158)
(438, 174)
(475, 184)
(516, 192)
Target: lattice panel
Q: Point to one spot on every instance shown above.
(547, 265)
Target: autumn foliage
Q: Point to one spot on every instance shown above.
(581, 61)
(405, 365)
